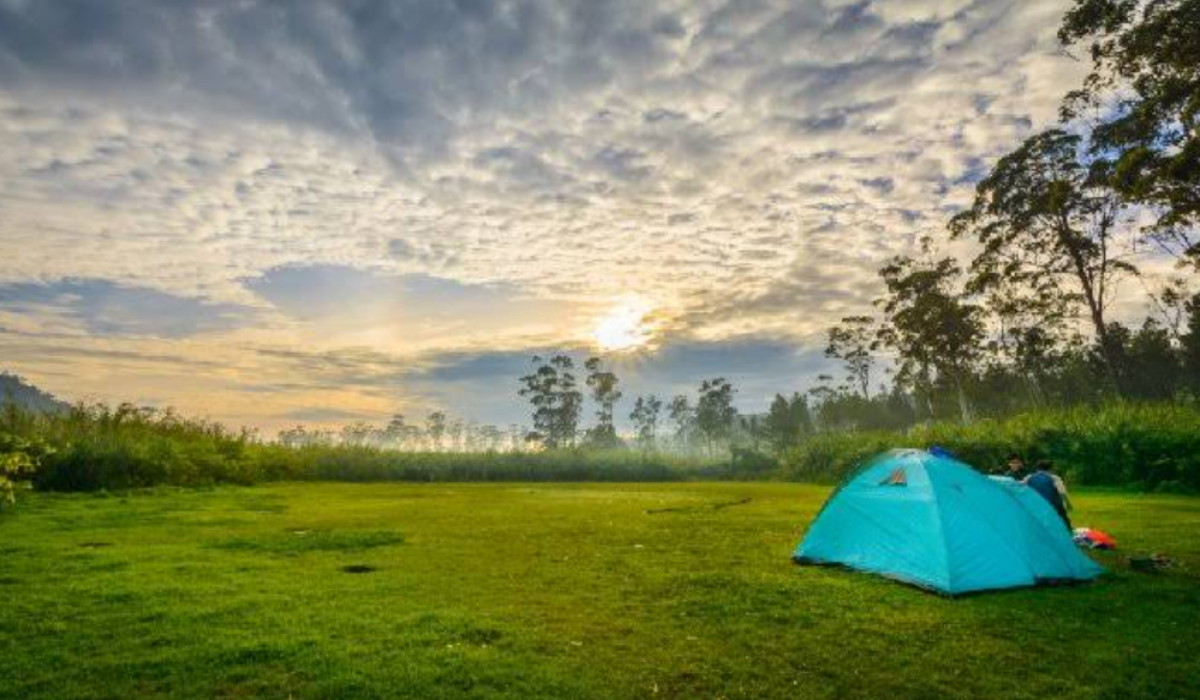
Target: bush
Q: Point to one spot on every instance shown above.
(1147, 446)
(19, 458)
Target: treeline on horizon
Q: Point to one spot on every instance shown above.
(91, 448)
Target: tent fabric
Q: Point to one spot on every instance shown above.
(930, 520)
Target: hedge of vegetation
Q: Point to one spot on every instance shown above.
(1149, 446)
(88, 448)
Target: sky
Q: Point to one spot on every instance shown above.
(314, 213)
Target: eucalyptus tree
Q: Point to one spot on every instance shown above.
(1048, 221)
(435, 429)
(786, 423)
(645, 415)
(551, 390)
(603, 384)
(715, 414)
(935, 332)
(683, 421)
(1145, 81)
(853, 341)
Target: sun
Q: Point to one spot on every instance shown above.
(624, 327)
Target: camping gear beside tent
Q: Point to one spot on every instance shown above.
(1151, 564)
(932, 521)
(1093, 539)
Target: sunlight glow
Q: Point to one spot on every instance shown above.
(624, 327)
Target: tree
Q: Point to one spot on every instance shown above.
(1048, 222)
(1145, 78)
(852, 342)
(1151, 365)
(683, 419)
(357, 434)
(490, 438)
(715, 413)
(1190, 345)
(786, 423)
(551, 389)
(933, 330)
(645, 421)
(603, 384)
(435, 428)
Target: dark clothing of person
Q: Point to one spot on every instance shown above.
(1043, 483)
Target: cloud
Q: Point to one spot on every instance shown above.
(325, 415)
(101, 307)
(371, 184)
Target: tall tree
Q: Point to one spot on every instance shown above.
(435, 428)
(683, 420)
(1145, 80)
(551, 389)
(1190, 345)
(1049, 222)
(853, 341)
(715, 413)
(933, 330)
(786, 423)
(603, 384)
(645, 415)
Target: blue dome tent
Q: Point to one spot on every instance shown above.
(927, 519)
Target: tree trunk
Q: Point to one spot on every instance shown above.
(964, 408)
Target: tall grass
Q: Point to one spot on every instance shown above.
(98, 447)
(1149, 446)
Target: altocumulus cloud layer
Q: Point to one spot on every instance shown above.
(272, 212)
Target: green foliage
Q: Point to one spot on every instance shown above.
(787, 422)
(98, 447)
(551, 391)
(1148, 446)
(1145, 80)
(19, 459)
(853, 341)
(715, 414)
(605, 394)
(935, 332)
(645, 414)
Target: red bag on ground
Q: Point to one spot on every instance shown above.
(1093, 539)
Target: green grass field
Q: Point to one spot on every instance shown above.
(632, 590)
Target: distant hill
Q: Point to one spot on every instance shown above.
(16, 390)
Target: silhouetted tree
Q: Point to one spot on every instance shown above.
(1049, 222)
(683, 420)
(853, 342)
(933, 330)
(551, 389)
(787, 422)
(645, 421)
(1145, 81)
(603, 384)
(715, 413)
(435, 428)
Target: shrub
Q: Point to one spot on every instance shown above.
(19, 459)
(1143, 446)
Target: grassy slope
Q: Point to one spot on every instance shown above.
(551, 590)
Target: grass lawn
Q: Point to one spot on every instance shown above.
(640, 590)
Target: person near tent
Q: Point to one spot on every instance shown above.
(1014, 468)
(1050, 487)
